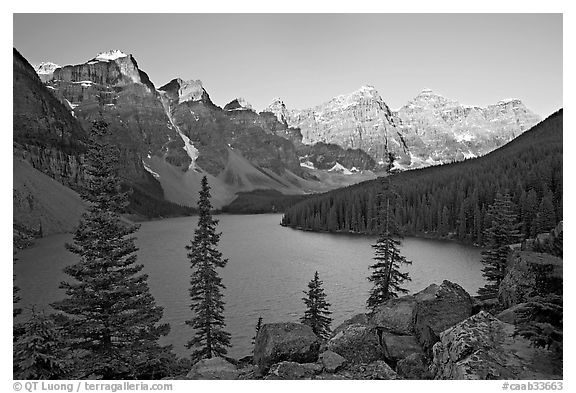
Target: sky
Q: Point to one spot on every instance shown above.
(306, 59)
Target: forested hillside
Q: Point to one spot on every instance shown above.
(452, 200)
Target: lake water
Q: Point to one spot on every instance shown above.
(269, 267)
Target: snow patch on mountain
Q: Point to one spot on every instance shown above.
(190, 149)
(307, 164)
(340, 169)
(148, 169)
(110, 55)
(238, 104)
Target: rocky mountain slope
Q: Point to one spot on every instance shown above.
(440, 130)
(41, 205)
(360, 120)
(169, 138)
(44, 131)
(428, 130)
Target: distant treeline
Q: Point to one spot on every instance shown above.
(144, 204)
(452, 200)
(262, 201)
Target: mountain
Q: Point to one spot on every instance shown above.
(45, 70)
(169, 137)
(360, 120)
(452, 200)
(111, 87)
(440, 130)
(428, 130)
(51, 125)
(44, 131)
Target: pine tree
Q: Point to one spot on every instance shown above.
(386, 276)
(39, 351)
(316, 314)
(257, 330)
(110, 316)
(503, 230)
(206, 285)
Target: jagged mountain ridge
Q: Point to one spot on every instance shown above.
(360, 120)
(448, 131)
(428, 130)
(172, 136)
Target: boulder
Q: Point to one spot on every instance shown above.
(361, 319)
(395, 315)
(290, 370)
(439, 307)
(375, 370)
(288, 341)
(213, 368)
(397, 347)
(357, 343)
(331, 361)
(524, 269)
(414, 366)
(483, 347)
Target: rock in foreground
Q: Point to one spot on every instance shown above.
(214, 368)
(483, 347)
(357, 343)
(277, 342)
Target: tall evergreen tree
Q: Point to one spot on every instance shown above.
(110, 316)
(386, 275)
(39, 351)
(317, 313)
(206, 285)
(503, 230)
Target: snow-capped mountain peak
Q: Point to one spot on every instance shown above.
(278, 108)
(238, 104)
(46, 67)
(112, 54)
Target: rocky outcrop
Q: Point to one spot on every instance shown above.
(357, 343)
(397, 347)
(214, 368)
(361, 319)
(293, 370)
(550, 243)
(396, 315)
(414, 366)
(439, 307)
(331, 361)
(288, 341)
(483, 347)
(524, 269)
(422, 317)
(375, 370)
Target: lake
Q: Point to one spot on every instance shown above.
(269, 267)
